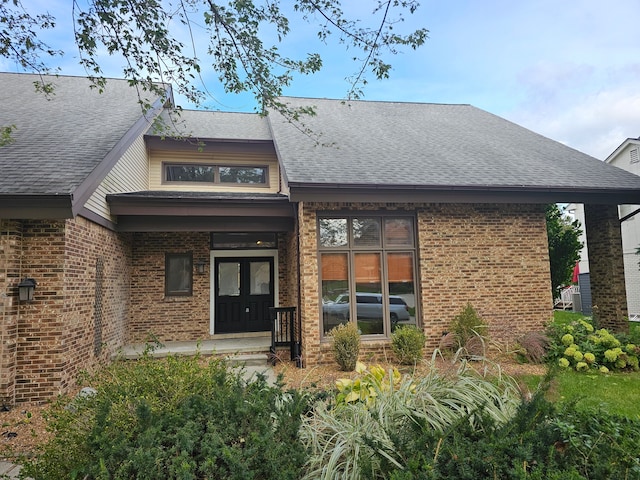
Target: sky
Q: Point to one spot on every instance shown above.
(569, 70)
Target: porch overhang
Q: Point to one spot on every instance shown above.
(204, 212)
(460, 194)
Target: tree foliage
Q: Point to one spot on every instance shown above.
(160, 41)
(564, 246)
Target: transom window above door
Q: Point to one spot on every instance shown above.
(215, 174)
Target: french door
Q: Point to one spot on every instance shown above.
(244, 291)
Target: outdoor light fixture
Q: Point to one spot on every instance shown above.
(26, 288)
(200, 266)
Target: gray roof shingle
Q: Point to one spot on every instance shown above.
(214, 125)
(429, 145)
(61, 138)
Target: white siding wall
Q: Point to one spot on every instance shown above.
(245, 159)
(130, 174)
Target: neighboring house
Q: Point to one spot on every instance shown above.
(626, 157)
(132, 235)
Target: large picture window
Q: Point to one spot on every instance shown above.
(367, 271)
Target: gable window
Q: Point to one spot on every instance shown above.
(178, 274)
(367, 271)
(215, 174)
(190, 173)
(251, 175)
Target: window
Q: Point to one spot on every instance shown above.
(178, 274)
(374, 256)
(215, 174)
(228, 241)
(190, 173)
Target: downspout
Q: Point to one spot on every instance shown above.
(296, 225)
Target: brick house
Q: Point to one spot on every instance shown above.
(128, 234)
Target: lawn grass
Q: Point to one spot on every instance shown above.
(616, 393)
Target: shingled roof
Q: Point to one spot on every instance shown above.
(62, 140)
(427, 148)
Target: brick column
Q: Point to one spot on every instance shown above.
(10, 251)
(606, 266)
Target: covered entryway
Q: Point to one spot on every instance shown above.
(243, 291)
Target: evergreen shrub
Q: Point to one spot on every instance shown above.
(407, 342)
(346, 345)
(174, 418)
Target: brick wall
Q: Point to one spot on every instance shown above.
(172, 318)
(186, 318)
(10, 260)
(494, 256)
(55, 335)
(606, 266)
(95, 313)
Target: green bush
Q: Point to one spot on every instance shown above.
(542, 441)
(176, 418)
(407, 342)
(578, 345)
(369, 436)
(346, 345)
(469, 331)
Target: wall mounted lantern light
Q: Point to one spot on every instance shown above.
(200, 266)
(26, 288)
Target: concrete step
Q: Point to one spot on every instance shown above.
(249, 359)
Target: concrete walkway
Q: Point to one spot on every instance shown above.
(9, 470)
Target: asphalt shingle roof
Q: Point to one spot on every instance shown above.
(214, 125)
(61, 138)
(423, 145)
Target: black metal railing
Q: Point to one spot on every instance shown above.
(286, 331)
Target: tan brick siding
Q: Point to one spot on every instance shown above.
(494, 256)
(10, 261)
(54, 339)
(606, 267)
(171, 318)
(186, 318)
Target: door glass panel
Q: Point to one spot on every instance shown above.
(229, 279)
(260, 278)
(333, 232)
(369, 303)
(402, 298)
(366, 232)
(335, 290)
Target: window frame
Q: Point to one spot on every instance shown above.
(216, 174)
(188, 256)
(384, 248)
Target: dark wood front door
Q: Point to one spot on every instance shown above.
(244, 293)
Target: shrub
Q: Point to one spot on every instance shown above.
(532, 347)
(578, 345)
(346, 345)
(470, 331)
(368, 438)
(407, 342)
(174, 418)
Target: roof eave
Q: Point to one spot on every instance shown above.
(32, 207)
(460, 194)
